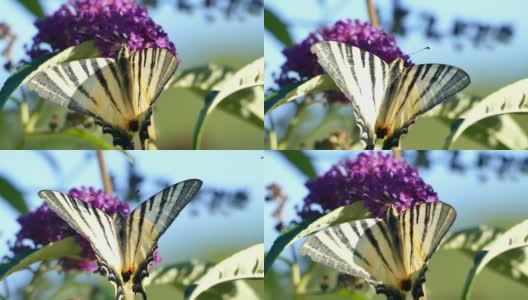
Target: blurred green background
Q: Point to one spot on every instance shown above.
(201, 37)
(485, 38)
(491, 193)
(212, 227)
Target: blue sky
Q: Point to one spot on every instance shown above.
(189, 236)
(490, 67)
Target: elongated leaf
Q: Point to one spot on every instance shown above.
(246, 264)
(315, 122)
(514, 238)
(278, 28)
(472, 239)
(10, 193)
(33, 6)
(510, 99)
(289, 236)
(498, 132)
(203, 79)
(71, 138)
(24, 73)
(250, 76)
(180, 274)
(317, 84)
(67, 247)
(512, 264)
(300, 161)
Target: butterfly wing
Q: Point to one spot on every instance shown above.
(361, 76)
(93, 87)
(144, 226)
(94, 225)
(417, 90)
(423, 227)
(360, 248)
(150, 70)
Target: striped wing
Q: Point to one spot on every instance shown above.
(150, 70)
(144, 226)
(417, 90)
(391, 254)
(87, 86)
(91, 223)
(362, 77)
(422, 229)
(343, 248)
(117, 93)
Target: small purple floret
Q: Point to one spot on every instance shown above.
(372, 177)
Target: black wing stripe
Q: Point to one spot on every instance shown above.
(102, 80)
(374, 242)
(139, 67)
(140, 226)
(98, 217)
(71, 75)
(152, 65)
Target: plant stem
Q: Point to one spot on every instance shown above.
(397, 153)
(373, 15)
(107, 183)
(28, 291)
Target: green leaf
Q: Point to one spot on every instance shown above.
(300, 161)
(497, 133)
(278, 28)
(203, 79)
(317, 84)
(514, 238)
(179, 275)
(34, 7)
(472, 239)
(289, 236)
(71, 138)
(316, 121)
(512, 264)
(13, 196)
(67, 247)
(252, 75)
(26, 72)
(246, 264)
(509, 99)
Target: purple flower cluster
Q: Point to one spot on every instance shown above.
(372, 177)
(301, 64)
(110, 23)
(42, 226)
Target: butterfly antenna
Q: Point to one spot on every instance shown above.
(110, 41)
(426, 48)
